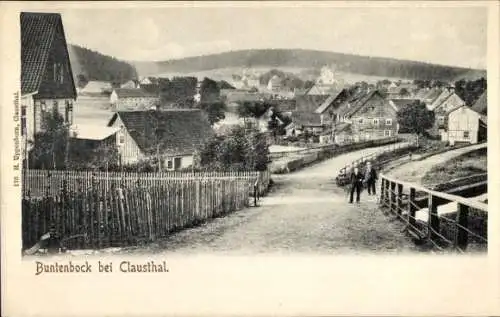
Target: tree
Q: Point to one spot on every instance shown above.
(215, 111)
(50, 147)
(209, 91)
(273, 125)
(239, 150)
(470, 91)
(404, 92)
(415, 118)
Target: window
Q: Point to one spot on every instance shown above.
(466, 134)
(58, 73)
(375, 121)
(177, 162)
(387, 132)
(169, 164)
(388, 121)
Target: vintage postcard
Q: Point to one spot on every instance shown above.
(249, 158)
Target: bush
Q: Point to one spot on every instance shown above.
(241, 149)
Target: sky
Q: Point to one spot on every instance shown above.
(449, 36)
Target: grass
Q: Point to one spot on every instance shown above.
(465, 165)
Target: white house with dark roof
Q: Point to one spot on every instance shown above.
(172, 135)
(465, 125)
(46, 74)
(122, 99)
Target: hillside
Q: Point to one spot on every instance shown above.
(96, 66)
(307, 59)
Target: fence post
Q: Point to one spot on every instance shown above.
(461, 234)
(411, 208)
(398, 199)
(382, 191)
(392, 194)
(433, 218)
(387, 193)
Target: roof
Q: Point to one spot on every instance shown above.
(481, 104)
(92, 132)
(134, 93)
(360, 102)
(399, 103)
(306, 118)
(96, 87)
(433, 94)
(328, 102)
(309, 102)
(38, 34)
(181, 130)
(483, 118)
(343, 127)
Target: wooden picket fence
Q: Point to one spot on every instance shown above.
(97, 210)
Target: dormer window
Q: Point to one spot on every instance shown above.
(388, 121)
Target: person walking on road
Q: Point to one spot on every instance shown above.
(370, 178)
(356, 184)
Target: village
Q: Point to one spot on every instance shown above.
(179, 137)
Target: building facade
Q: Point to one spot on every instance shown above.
(465, 125)
(46, 75)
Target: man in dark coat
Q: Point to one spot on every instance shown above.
(356, 184)
(370, 178)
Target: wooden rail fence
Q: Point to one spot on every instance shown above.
(120, 209)
(333, 147)
(468, 226)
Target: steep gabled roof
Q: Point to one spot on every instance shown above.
(481, 104)
(306, 118)
(181, 131)
(309, 102)
(38, 34)
(328, 102)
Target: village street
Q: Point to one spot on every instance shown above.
(304, 212)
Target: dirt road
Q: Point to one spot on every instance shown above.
(304, 212)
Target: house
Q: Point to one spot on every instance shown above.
(442, 108)
(465, 125)
(46, 74)
(131, 84)
(481, 104)
(171, 135)
(263, 121)
(274, 83)
(122, 99)
(401, 90)
(309, 103)
(97, 87)
(307, 121)
(343, 133)
(326, 110)
(371, 116)
(432, 95)
(148, 81)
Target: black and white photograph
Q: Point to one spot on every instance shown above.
(250, 130)
(185, 139)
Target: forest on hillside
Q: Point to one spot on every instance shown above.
(373, 66)
(89, 65)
